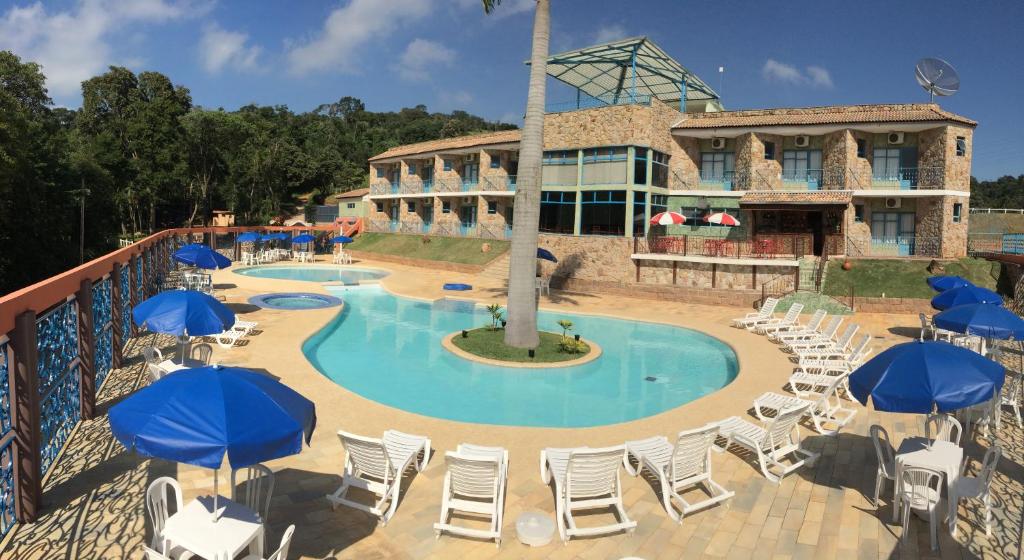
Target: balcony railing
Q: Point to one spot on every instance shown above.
(588, 102)
(777, 246)
(896, 247)
(499, 183)
(809, 178)
(905, 178)
(495, 231)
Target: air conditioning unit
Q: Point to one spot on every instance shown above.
(469, 200)
(802, 141)
(893, 203)
(718, 143)
(896, 137)
(471, 157)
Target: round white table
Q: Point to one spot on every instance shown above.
(534, 528)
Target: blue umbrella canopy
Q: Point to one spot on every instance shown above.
(921, 377)
(248, 237)
(268, 237)
(965, 295)
(943, 283)
(304, 238)
(342, 239)
(546, 255)
(201, 256)
(982, 319)
(199, 415)
(281, 235)
(183, 312)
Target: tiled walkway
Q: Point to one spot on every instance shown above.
(94, 498)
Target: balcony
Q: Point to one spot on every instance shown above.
(904, 178)
(499, 183)
(802, 179)
(584, 101)
(718, 181)
(776, 246)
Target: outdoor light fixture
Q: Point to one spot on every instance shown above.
(577, 337)
(465, 334)
(503, 323)
(531, 352)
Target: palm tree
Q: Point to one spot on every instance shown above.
(521, 329)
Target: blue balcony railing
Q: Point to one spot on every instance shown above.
(811, 177)
(587, 102)
(394, 187)
(724, 179)
(470, 185)
(909, 178)
(427, 185)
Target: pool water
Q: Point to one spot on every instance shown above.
(293, 301)
(388, 349)
(346, 275)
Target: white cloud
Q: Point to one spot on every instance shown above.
(459, 99)
(74, 44)
(609, 33)
(420, 57)
(349, 28)
(219, 47)
(814, 76)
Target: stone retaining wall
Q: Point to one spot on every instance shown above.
(746, 299)
(888, 305)
(424, 263)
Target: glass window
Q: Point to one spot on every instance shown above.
(446, 207)
(492, 206)
(886, 164)
(380, 206)
(412, 169)
(380, 173)
(659, 169)
(958, 210)
(858, 213)
(350, 205)
(560, 157)
(800, 165)
(961, 146)
(410, 207)
(640, 167)
(862, 148)
(717, 166)
(447, 165)
(557, 211)
(769, 150)
(495, 161)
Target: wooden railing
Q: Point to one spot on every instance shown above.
(773, 246)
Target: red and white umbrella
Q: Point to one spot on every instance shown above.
(667, 219)
(721, 218)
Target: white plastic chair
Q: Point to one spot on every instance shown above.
(755, 318)
(825, 409)
(677, 467)
(978, 488)
(202, 353)
(377, 465)
(543, 285)
(773, 442)
(789, 320)
(152, 355)
(811, 327)
(282, 551)
(585, 479)
(1010, 395)
(943, 427)
(920, 489)
(886, 461)
(153, 555)
(475, 484)
(257, 487)
(158, 508)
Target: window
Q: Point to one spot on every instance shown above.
(594, 155)
(380, 206)
(862, 148)
(410, 207)
(603, 213)
(659, 169)
(605, 166)
(447, 165)
(446, 207)
(958, 210)
(557, 211)
(412, 169)
(380, 173)
(961, 146)
(858, 213)
(496, 161)
(801, 166)
(640, 167)
(886, 164)
(717, 166)
(559, 167)
(350, 205)
(560, 157)
(492, 206)
(769, 150)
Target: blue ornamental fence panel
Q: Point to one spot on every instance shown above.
(103, 329)
(126, 304)
(7, 518)
(147, 261)
(58, 369)
(1013, 243)
(139, 292)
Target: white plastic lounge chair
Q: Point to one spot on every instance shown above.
(820, 349)
(791, 319)
(825, 334)
(920, 490)
(474, 484)
(684, 465)
(245, 326)
(585, 479)
(886, 461)
(838, 360)
(977, 488)
(282, 551)
(759, 316)
(773, 442)
(811, 327)
(377, 465)
(228, 338)
(810, 382)
(825, 409)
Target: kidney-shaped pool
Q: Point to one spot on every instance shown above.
(388, 349)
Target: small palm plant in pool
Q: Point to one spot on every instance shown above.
(496, 315)
(567, 344)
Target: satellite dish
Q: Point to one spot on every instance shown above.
(937, 77)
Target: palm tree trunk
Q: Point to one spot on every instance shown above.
(521, 330)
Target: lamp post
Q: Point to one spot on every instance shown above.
(81, 193)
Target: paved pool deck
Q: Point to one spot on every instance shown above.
(94, 506)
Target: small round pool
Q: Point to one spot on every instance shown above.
(295, 301)
(344, 275)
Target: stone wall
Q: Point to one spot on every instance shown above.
(745, 299)
(620, 125)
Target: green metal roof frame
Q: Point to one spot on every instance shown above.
(628, 68)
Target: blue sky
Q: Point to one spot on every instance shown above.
(447, 55)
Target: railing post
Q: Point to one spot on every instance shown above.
(86, 351)
(238, 248)
(133, 289)
(116, 311)
(25, 418)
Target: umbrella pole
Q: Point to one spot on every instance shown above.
(215, 471)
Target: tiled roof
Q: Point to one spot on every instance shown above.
(810, 197)
(355, 193)
(498, 137)
(840, 114)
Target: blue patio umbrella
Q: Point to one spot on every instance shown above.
(943, 283)
(281, 235)
(200, 415)
(201, 256)
(982, 319)
(249, 237)
(183, 312)
(342, 239)
(964, 296)
(921, 377)
(268, 237)
(546, 255)
(304, 238)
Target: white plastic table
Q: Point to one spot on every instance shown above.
(942, 456)
(194, 529)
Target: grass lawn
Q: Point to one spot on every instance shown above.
(490, 344)
(461, 250)
(901, 278)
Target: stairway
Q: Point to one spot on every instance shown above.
(497, 270)
(808, 274)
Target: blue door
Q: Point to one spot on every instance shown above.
(892, 233)
(393, 214)
(428, 215)
(467, 220)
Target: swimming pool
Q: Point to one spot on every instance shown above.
(345, 275)
(388, 349)
(294, 301)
